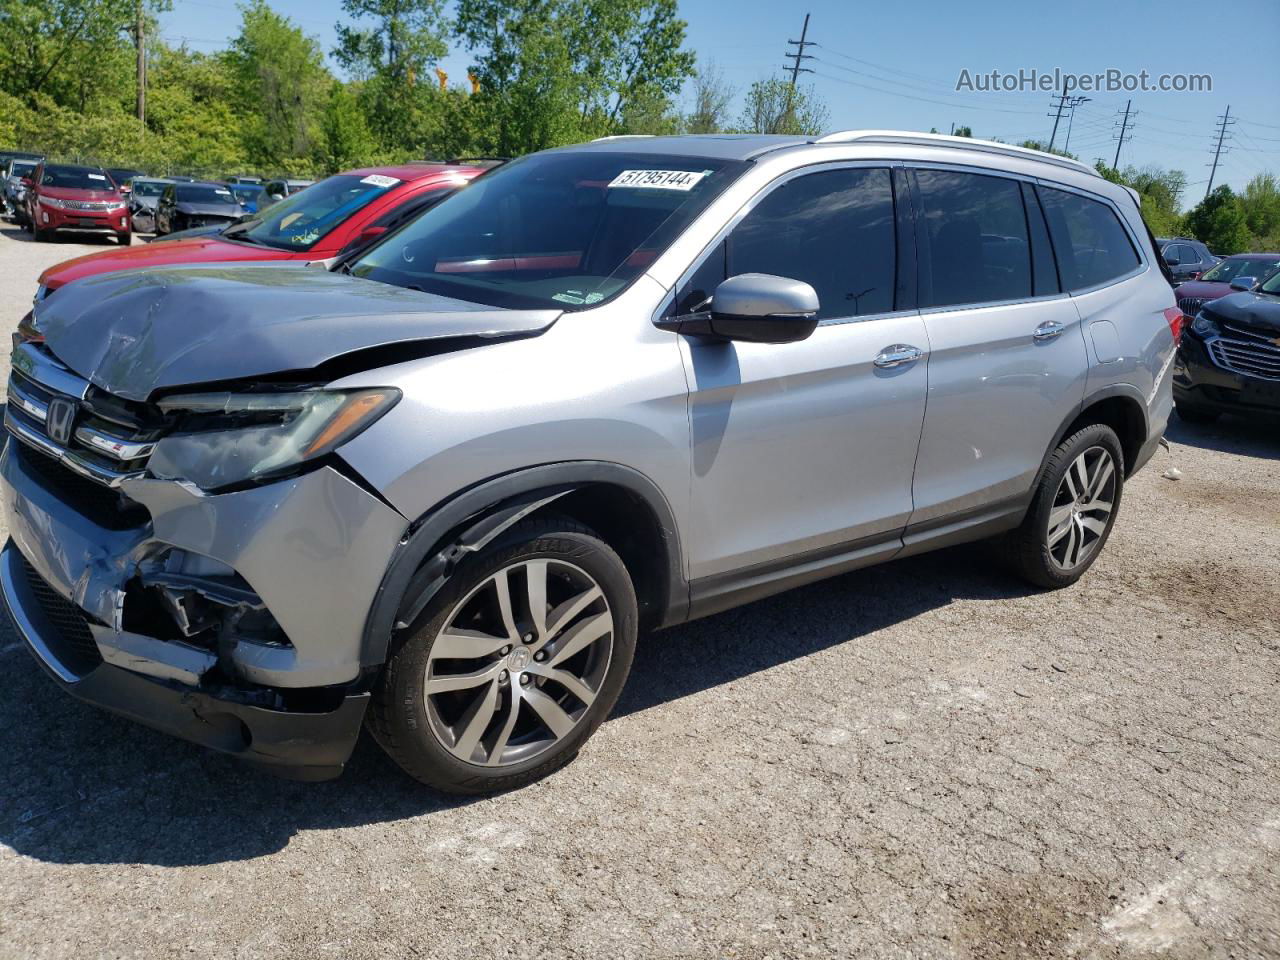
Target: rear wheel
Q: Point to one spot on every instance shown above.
(513, 665)
(125, 239)
(1073, 509)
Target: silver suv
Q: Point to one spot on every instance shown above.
(440, 487)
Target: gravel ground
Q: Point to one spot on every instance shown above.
(921, 760)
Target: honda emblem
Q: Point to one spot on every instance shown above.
(60, 419)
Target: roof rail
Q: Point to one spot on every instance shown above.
(624, 136)
(961, 143)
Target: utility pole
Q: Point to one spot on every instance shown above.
(799, 55)
(139, 33)
(1124, 135)
(1071, 118)
(1224, 121)
(796, 68)
(1057, 115)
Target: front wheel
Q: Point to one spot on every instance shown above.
(513, 665)
(125, 239)
(1073, 509)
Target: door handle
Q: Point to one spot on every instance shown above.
(1048, 330)
(897, 355)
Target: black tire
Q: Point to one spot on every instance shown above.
(1201, 416)
(398, 714)
(1029, 546)
(41, 236)
(125, 239)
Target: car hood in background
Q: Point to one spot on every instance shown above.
(227, 210)
(1202, 289)
(137, 332)
(165, 251)
(1251, 309)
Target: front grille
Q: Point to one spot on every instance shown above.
(1190, 306)
(1247, 351)
(59, 414)
(72, 642)
(105, 506)
(88, 205)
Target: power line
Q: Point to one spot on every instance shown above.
(907, 96)
(1223, 122)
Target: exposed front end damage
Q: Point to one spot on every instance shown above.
(212, 617)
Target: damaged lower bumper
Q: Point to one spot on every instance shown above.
(259, 726)
(233, 621)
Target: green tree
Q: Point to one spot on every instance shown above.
(963, 132)
(774, 106)
(281, 89)
(1159, 190)
(712, 95)
(1219, 221)
(405, 39)
(1261, 202)
(348, 141)
(70, 51)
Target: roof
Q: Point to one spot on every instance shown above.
(414, 171)
(1253, 256)
(735, 146)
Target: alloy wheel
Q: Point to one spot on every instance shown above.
(1082, 508)
(518, 663)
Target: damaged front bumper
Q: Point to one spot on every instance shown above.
(248, 643)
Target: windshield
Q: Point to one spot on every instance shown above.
(1271, 284)
(203, 193)
(300, 221)
(148, 188)
(76, 178)
(1234, 267)
(558, 229)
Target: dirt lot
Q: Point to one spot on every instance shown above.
(923, 760)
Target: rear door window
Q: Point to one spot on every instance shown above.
(1091, 246)
(974, 228)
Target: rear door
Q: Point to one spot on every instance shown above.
(1008, 360)
(803, 452)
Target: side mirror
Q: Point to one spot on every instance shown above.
(754, 308)
(1244, 283)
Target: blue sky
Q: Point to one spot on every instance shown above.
(895, 65)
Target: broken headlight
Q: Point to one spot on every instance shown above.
(228, 439)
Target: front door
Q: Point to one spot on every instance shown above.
(803, 451)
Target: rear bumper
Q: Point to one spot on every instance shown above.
(253, 725)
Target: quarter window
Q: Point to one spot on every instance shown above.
(1091, 246)
(975, 229)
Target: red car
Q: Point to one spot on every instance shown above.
(66, 199)
(1216, 282)
(345, 211)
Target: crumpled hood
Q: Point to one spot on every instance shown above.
(139, 331)
(1250, 309)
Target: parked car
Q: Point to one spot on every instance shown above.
(1186, 257)
(62, 198)
(277, 190)
(184, 205)
(1217, 281)
(144, 198)
(13, 192)
(1229, 361)
(340, 213)
(446, 481)
(121, 176)
(249, 195)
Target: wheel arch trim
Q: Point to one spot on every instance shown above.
(472, 518)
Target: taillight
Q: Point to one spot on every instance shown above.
(1175, 318)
